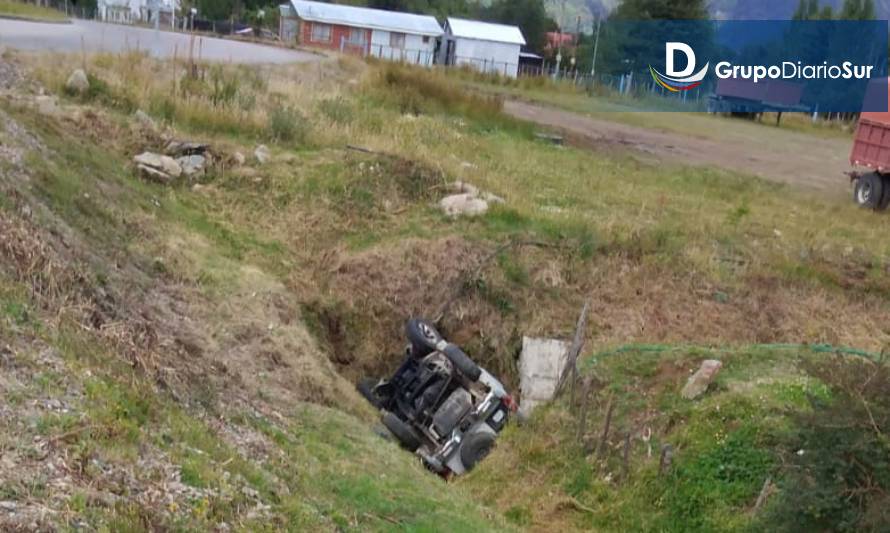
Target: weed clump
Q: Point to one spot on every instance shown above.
(418, 91)
(287, 125)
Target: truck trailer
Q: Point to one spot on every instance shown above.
(871, 152)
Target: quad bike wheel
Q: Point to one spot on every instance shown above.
(422, 336)
(366, 389)
(406, 435)
(475, 447)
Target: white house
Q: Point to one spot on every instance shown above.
(487, 47)
(120, 11)
(136, 11)
(368, 32)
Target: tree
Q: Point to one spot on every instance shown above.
(851, 10)
(858, 10)
(530, 15)
(661, 9)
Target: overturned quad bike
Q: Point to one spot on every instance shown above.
(440, 404)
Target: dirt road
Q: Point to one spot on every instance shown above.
(101, 37)
(771, 153)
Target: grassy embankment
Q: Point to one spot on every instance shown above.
(23, 10)
(666, 254)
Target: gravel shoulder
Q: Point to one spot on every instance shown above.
(770, 153)
(101, 37)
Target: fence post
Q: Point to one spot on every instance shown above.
(610, 408)
(667, 456)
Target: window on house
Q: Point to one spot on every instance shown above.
(321, 33)
(356, 36)
(397, 40)
(426, 39)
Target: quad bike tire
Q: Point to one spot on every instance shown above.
(422, 336)
(463, 362)
(475, 447)
(366, 389)
(403, 432)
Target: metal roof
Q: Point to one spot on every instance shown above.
(364, 17)
(485, 31)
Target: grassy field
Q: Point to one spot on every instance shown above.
(15, 8)
(607, 104)
(238, 307)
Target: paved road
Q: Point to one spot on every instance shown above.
(97, 36)
(771, 153)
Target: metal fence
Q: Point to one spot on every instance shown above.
(488, 66)
(403, 55)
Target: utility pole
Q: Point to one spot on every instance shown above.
(596, 44)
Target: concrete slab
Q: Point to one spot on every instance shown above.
(540, 363)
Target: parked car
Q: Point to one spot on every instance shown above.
(440, 404)
(871, 150)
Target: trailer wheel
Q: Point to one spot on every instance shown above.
(869, 191)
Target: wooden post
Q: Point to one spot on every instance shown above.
(571, 368)
(625, 458)
(610, 408)
(764, 493)
(585, 399)
(667, 456)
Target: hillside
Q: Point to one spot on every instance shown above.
(180, 355)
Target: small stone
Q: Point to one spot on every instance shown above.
(700, 381)
(239, 158)
(46, 105)
(145, 121)
(463, 205)
(8, 506)
(262, 154)
(78, 82)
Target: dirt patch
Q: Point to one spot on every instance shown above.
(799, 159)
(368, 296)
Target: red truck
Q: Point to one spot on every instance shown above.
(871, 149)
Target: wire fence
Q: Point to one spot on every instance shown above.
(487, 66)
(405, 55)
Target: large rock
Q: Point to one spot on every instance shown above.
(157, 167)
(192, 164)
(540, 364)
(700, 381)
(464, 204)
(184, 148)
(78, 82)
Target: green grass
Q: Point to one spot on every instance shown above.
(29, 11)
(668, 253)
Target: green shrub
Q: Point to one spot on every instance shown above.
(837, 475)
(337, 110)
(224, 86)
(287, 125)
